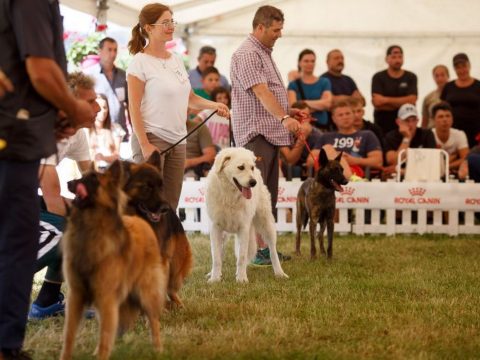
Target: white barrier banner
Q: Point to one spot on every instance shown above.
(393, 195)
(371, 195)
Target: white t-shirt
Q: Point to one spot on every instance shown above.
(457, 140)
(165, 100)
(75, 148)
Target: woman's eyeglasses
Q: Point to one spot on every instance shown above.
(166, 24)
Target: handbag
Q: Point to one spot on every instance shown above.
(300, 89)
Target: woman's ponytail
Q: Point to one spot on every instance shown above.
(137, 42)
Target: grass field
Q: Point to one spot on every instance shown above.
(409, 297)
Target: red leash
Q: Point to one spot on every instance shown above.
(316, 166)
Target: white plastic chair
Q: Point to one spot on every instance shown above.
(427, 165)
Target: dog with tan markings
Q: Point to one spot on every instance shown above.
(110, 260)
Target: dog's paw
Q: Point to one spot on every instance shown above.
(282, 275)
(242, 279)
(214, 279)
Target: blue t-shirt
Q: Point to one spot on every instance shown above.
(358, 144)
(313, 92)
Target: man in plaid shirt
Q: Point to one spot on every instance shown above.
(261, 119)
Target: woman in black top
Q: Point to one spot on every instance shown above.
(463, 94)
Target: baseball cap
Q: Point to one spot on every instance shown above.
(407, 110)
(460, 58)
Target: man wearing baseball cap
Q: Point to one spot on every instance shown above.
(408, 134)
(463, 95)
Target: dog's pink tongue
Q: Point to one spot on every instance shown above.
(81, 191)
(337, 186)
(247, 193)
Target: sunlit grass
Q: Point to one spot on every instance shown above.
(380, 297)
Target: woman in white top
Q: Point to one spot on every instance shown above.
(159, 94)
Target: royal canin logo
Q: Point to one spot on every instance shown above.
(417, 191)
(348, 190)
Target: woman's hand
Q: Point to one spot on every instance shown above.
(222, 110)
(148, 149)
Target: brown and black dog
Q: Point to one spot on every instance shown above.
(316, 201)
(110, 260)
(144, 190)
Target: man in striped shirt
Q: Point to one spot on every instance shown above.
(261, 119)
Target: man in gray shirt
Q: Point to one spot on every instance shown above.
(111, 81)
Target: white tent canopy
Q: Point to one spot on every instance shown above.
(430, 31)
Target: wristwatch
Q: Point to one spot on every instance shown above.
(405, 140)
(283, 118)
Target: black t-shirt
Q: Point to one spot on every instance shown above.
(377, 130)
(423, 138)
(341, 85)
(28, 28)
(385, 85)
(465, 104)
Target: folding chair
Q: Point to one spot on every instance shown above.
(428, 165)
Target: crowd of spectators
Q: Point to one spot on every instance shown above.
(447, 118)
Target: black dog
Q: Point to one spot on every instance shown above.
(316, 201)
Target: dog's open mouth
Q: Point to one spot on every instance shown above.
(246, 191)
(81, 190)
(336, 185)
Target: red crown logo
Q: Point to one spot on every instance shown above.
(417, 191)
(201, 191)
(281, 190)
(347, 190)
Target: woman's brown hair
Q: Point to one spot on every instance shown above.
(148, 15)
(107, 124)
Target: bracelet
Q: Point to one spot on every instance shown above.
(405, 141)
(283, 118)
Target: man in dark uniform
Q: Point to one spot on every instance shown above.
(33, 58)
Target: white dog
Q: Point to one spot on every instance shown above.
(238, 202)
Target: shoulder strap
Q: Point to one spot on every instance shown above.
(300, 89)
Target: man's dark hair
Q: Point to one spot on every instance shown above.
(210, 70)
(104, 40)
(266, 15)
(394, 47)
(210, 50)
(442, 105)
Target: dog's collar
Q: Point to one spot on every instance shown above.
(152, 216)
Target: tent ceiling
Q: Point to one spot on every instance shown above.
(125, 12)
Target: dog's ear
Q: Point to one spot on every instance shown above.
(224, 163)
(339, 156)
(115, 172)
(323, 158)
(127, 168)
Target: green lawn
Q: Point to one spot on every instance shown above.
(408, 297)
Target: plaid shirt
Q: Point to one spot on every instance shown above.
(252, 64)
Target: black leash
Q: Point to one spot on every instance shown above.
(190, 133)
